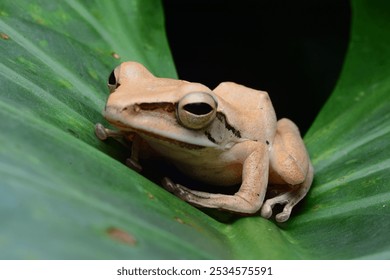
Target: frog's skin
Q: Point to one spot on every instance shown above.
(223, 137)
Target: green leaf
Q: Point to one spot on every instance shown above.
(347, 214)
(66, 195)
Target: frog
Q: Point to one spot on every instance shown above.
(222, 137)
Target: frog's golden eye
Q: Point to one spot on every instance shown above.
(196, 110)
(113, 81)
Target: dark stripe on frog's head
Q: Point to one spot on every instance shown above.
(235, 131)
(221, 130)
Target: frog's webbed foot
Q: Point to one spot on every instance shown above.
(289, 199)
(103, 133)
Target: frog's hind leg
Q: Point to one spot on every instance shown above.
(289, 166)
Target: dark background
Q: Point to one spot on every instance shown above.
(292, 49)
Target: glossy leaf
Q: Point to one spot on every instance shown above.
(66, 195)
(61, 196)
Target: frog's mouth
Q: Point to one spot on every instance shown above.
(154, 137)
(157, 123)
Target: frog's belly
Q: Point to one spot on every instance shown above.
(209, 165)
(226, 175)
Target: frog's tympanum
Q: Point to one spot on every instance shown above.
(223, 137)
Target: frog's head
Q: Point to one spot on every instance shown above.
(160, 107)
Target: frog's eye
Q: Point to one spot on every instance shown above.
(112, 82)
(196, 110)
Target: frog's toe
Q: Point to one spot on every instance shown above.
(286, 199)
(169, 185)
(194, 197)
(285, 215)
(103, 133)
(100, 132)
(133, 164)
(266, 210)
(289, 200)
(174, 188)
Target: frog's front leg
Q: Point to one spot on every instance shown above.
(290, 166)
(103, 133)
(247, 200)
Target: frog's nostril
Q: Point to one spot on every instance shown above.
(112, 78)
(113, 82)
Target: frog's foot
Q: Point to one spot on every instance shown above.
(177, 189)
(289, 199)
(134, 164)
(103, 133)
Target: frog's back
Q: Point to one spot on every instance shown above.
(241, 96)
(253, 110)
